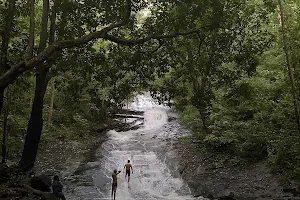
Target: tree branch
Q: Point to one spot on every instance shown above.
(52, 24)
(44, 27)
(21, 67)
(9, 76)
(146, 39)
(161, 42)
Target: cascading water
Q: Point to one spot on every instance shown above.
(149, 149)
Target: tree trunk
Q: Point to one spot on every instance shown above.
(51, 41)
(35, 124)
(1, 99)
(51, 101)
(203, 117)
(5, 66)
(4, 135)
(199, 102)
(7, 34)
(4, 45)
(288, 56)
(6, 111)
(31, 30)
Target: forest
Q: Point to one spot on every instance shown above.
(230, 68)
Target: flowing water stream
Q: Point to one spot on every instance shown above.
(155, 168)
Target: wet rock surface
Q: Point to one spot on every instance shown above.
(24, 192)
(209, 176)
(67, 157)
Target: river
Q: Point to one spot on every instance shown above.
(150, 149)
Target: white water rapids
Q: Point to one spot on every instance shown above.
(155, 173)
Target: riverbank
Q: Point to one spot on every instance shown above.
(217, 176)
(65, 156)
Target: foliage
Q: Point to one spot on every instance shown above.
(227, 79)
(231, 86)
(219, 143)
(254, 149)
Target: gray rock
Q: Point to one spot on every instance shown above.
(171, 118)
(101, 128)
(230, 196)
(42, 183)
(181, 168)
(11, 163)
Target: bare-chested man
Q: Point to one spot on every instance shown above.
(114, 183)
(128, 166)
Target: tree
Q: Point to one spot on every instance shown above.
(44, 53)
(35, 123)
(6, 35)
(50, 115)
(288, 55)
(10, 75)
(100, 52)
(226, 38)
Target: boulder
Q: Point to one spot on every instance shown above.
(230, 196)
(172, 118)
(41, 182)
(101, 128)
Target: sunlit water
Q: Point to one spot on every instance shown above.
(155, 174)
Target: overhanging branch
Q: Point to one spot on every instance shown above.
(21, 67)
(146, 39)
(10, 75)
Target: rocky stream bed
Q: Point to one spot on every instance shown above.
(194, 171)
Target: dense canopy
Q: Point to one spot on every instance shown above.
(228, 67)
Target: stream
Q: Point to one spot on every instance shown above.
(150, 150)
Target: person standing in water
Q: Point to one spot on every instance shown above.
(128, 166)
(114, 183)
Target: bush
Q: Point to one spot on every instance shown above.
(220, 143)
(14, 147)
(285, 159)
(286, 164)
(254, 149)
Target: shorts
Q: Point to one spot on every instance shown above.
(128, 172)
(114, 185)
